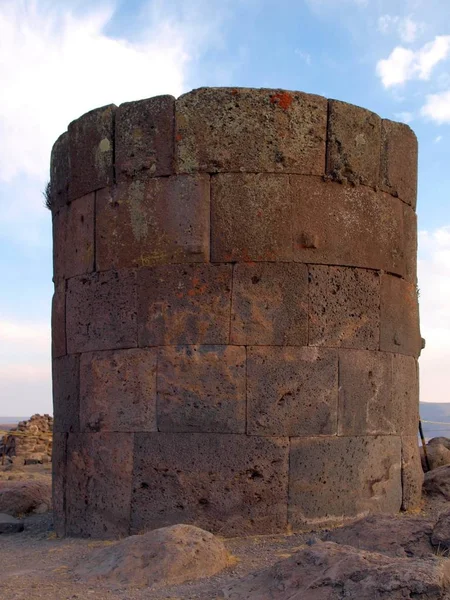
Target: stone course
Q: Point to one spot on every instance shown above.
(235, 319)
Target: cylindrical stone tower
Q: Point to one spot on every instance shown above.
(235, 318)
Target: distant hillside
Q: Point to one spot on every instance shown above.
(12, 420)
(438, 412)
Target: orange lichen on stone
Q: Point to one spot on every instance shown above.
(283, 99)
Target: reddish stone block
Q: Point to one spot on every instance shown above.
(344, 225)
(59, 448)
(405, 393)
(399, 328)
(73, 239)
(59, 321)
(184, 304)
(353, 143)
(251, 218)
(91, 152)
(99, 476)
(216, 129)
(66, 394)
(59, 172)
(270, 304)
(399, 161)
(333, 478)
(292, 391)
(202, 389)
(410, 243)
(101, 311)
(344, 307)
(144, 138)
(412, 473)
(163, 220)
(227, 484)
(118, 390)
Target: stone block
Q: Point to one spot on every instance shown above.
(99, 477)
(405, 393)
(353, 143)
(66, 394)
(202, 389)
(412, 473)
(59, 450)
(144, 138)
(59, 320)
(292, 391)
(59, 172)
(101, 311)
(251, 217)
(184, 304)
(346, 225)
(410, 243)
(216, 131)
(227, 484)
(270, 304)
(399, 328)
(366, 403)
(399, 161)
(73, 239)
(118, 390)
(335, 478)
(159, 221)
(91, 152)
(344, 307)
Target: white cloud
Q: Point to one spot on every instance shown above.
(437, 139)
(437, 107)
(305, 56)
(404, 64)
(405, 116)
(406, 28)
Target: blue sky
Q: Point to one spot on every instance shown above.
(60, 59)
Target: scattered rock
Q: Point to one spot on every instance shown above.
(9, 524)
(25, 497)
(437, 482)
(329, 571)
(30, 438)
(438, 456)
(169, 556)
(440, 537)
(443, 441)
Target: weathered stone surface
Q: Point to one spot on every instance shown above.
(328, 571)
(118, 390)
(73, 239)
(399, 161)
(66, 394)
(226, 483)
(99, 472)
(399, 327)
(405, 392)
(270, 304)
(144, 138)
(163, 220)
(292, 391)
(184, 304)
(216, 131)
(346, 225)
(437, 482)
(440, 440)
(101, 311)
(438, 456)
(251, 217)
(412, 474)
(59, 172)
(59, 320)
(25, 497)
(91, 153)
(353, 143)
(344, 307)
(202, 389)
(59, 482)
(410, 243)
(10, 524)
(441, 533)
(333, 478)
(162, 557)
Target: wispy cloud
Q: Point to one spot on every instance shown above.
(406, 28)
(405, 116)
(437, 107)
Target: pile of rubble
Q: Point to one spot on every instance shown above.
(29, 443)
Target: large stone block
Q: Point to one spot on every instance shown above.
(399, 328)
(73, 239)
(184, 304)
(118, 390)
(270, 304)
(66, 394)
(59, 449)
(59, 172)
(353, 143)
(335, 478)
(410, 243)
(202, 389)
(144, 138)
(228, 484)
(251, 217)
(292, 391)
(405, 393)
(59, 320)
(412, 473)
(346, 225)
(101, 311)
(91, 152)
(344, 307)
(162, 220)
(99, 477)
(399, 161)
(216, 131)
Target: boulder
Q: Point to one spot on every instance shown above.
(437, 482)
(444, 441)
(25, 497)
(329, 571)
(167, 556)
(440, 537)
(438, 456)
(9, 524)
